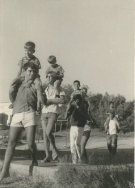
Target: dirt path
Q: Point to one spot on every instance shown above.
(93, 143)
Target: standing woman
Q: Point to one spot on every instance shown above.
(87, 127)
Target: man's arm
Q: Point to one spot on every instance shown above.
(40, 96)
(60, 100)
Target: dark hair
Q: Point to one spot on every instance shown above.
(29, 45)
(31, 65)
(51, 58)
(76, 81)
(77, 96)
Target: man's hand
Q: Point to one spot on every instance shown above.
(39, 107)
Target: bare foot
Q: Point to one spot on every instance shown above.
(45, 160)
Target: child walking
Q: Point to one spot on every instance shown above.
(112, 130)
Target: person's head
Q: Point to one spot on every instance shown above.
(76, 84)
(78, 99)
(50, 78)
(112, 114)
(52, 60)
(29, 71)
(111, 104)
(29, 48)
(84, 91)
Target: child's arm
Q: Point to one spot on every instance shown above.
(60, 100)
(19, 71)
(118, 125)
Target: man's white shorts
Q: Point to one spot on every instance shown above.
(24, 119)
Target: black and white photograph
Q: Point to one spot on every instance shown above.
(67, 94)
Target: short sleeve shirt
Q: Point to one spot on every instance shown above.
(53, 108)
(58, 69)
(33, 60)
(26, 98)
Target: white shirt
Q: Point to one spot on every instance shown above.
(53, 108)
(113, 124)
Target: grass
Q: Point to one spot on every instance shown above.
(74, 176)
(15, 181)
(79, 177)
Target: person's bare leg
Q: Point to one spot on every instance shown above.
(84, 141)
(46, 141)
(109, 143)
(30, 135)
(49, 130)
(14, 135)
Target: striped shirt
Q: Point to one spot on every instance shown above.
(33, 59)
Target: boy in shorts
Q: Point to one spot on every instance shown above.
(29, 58)
(112, 130)
(54, 69)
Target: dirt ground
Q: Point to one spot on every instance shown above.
(93, 143)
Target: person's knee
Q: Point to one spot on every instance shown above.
(48, 133)
(12, 143)
(30, 144)
(113, 145)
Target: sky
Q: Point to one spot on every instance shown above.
(92, 40)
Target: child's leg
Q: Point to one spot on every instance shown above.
(78, 140)
(14, 87)
(109, 143)
(114, 144)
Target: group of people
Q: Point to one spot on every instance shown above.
(29, 96)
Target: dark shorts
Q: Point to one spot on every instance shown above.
(86, 133)
(112, 139)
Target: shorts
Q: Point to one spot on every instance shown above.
(112, 139)
(86, 133)
(24, 119)
(49, 116)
